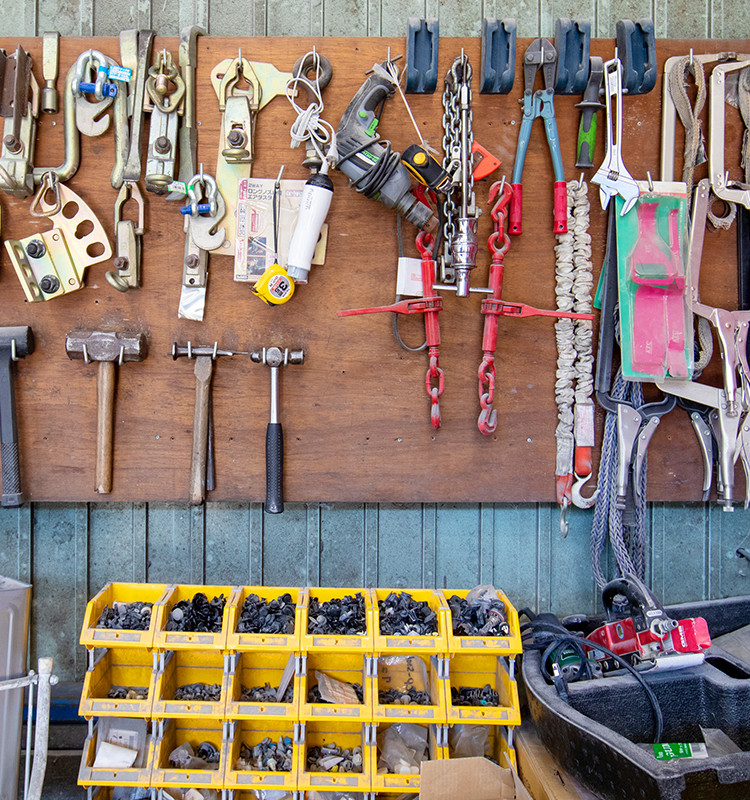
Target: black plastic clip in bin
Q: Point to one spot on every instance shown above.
(636, 48)
(422, 38)
(572, 42)
(498, 70)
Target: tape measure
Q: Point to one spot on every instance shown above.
(274, 286)
(425, 168)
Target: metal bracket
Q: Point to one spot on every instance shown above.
(194, 277)
(53, 262)
(128, 241)
(239, 109)
(143, 40)
(422, 39)
(19, 106)
(165, 91)
(498, 65)
(731, 191)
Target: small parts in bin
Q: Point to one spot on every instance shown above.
(205, 757)
(266, 694)
(209, 692)
(197, 614)
(473, 696)
(485, 619)
(268, 756)
(126, 616)
(332, 758)
(315, 695)
(409, 697)
(339, 616)
(128, 693)
(267, 616)
(402, 615)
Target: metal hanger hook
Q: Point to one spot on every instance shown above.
(579, 501)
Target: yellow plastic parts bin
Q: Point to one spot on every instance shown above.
(182, 667)
(124, 667)
(393, 782)
(400, 672)
(476, 671)
(181, 640)
(429, 644)
(255, 668)
(494, 645)
(344, 643)
(265, 641)
(499, 744)
(346, 735)
(137, 775)
(91, 636)
(251, 732)
(194, 730)
(345, 667)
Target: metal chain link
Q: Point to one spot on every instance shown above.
(451, 140)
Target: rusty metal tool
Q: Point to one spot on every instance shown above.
(15, 343)
(202, 453)
(50, 67)
(108, 348)
(275, 357)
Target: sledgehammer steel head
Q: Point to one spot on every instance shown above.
(117, 346)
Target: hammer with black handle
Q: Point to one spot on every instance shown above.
(107, 348)
(15, 343)
(275, 357)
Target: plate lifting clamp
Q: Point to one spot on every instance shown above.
(128, 235)
(539, 55)
(165, 91)
(240, 107)
(19, 107)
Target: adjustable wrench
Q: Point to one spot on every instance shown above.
(612, 176)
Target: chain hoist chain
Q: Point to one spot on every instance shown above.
(451, 141)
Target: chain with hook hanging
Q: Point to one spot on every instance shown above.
(498, 244)
(435, 378)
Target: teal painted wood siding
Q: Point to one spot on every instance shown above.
(69, 550)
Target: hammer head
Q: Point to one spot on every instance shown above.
(16, 342)
(106, 346)
(276, 357)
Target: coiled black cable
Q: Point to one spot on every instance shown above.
(377, 175)
(548, 635)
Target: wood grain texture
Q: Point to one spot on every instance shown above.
(356, 415)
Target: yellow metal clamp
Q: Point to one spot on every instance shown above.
(53, 262)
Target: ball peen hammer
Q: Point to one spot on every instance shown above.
(275, 357)
(15, 343)
(108, 348)
(202, 453)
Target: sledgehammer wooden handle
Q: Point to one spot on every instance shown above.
(105, 414)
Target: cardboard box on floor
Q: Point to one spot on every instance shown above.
(469, 779)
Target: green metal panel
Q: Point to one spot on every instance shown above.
(69, 550)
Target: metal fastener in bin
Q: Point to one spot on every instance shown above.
(469, 673)
(115, 595)
(339, 620)
(345, 668)
(119, 683)
(409, 688)
(332, 738)
(248, 676)
(250, 745)
(494, 640)
(194, 617)
(250, 630)
(189, 684)
(201, 733)
(404, 621)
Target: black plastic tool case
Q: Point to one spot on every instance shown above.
(595, 736)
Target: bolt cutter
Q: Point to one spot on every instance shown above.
(540, 55)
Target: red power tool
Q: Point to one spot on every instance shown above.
(641, 630)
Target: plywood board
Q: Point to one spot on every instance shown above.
(356, 415)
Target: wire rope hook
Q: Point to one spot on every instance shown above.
(578, 500)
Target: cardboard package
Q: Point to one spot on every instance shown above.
(469, 779)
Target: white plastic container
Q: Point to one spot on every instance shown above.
(15, 602)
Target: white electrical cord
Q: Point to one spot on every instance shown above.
(574, 383)
(309, 125)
